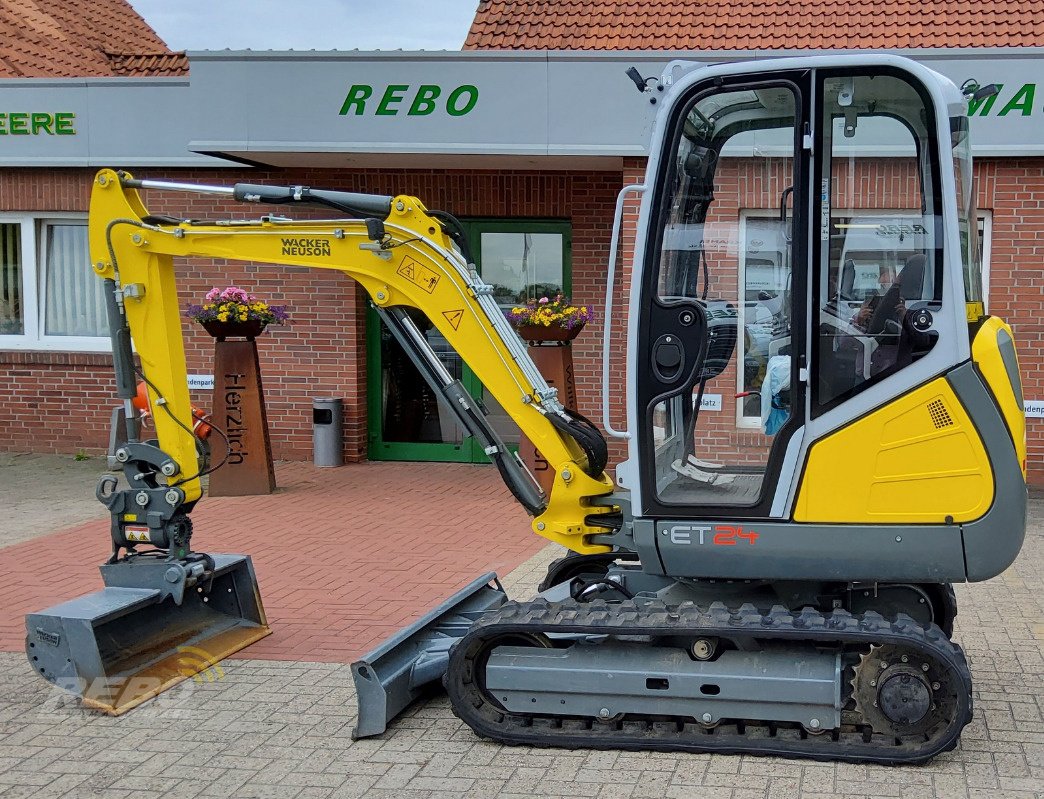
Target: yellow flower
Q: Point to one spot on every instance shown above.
(223, 316)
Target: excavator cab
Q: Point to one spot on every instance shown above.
(873, 162)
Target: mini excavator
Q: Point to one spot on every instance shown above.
(779, 584)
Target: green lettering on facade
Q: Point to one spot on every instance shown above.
(985, 103)
(392, 95)
(25, 123)
(1022, 101)
(42, 122)
(63, 123)
(356, 97)
(453, 106)
(424, 102)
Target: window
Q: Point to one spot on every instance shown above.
(730, 274)
(879, 221)
(522, 264)
(985, 226)
(11, 322)
(50, 297)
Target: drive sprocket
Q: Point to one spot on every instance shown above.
(901, 693)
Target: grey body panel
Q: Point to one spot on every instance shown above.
(645, 546)
(792, 551)
(398, 671)
(942, 553)
(992, 543)
(1011, 364)
(602, 681)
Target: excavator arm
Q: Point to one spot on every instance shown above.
(404, 257)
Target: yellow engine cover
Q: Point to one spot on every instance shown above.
(916, 460)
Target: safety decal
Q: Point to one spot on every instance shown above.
(136, 533)
(419, 275)
(454, 317)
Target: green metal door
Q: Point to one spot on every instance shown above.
(522, 260)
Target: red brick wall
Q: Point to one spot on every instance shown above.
(323, 352)
(47, 406)
(1014, 191)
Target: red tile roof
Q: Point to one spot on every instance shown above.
(142, 64)
(753, 24)
(80, 38)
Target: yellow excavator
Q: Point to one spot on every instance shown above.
(777, 581)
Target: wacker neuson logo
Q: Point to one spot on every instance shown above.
(396, 98)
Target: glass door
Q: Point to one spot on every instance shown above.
(522, 260)
(721, 286)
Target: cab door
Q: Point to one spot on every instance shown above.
(720, 382)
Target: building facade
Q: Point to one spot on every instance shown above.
(529, 149)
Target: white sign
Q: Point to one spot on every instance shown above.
(1035, 409)
(711, 402)
(200, 382)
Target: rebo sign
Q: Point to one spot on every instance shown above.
(397, 97)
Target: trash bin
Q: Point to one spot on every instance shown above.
(328, 431)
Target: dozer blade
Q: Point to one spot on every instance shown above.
(130, 641)
(398, 671)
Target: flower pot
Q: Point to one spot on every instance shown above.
(549, 333)
(250, 329)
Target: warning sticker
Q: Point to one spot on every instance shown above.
(454, 317)
(136, 533)
(419, 274)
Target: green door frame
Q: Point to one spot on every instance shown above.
(468, 450)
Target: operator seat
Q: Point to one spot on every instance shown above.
(897, 344)
(908, 285)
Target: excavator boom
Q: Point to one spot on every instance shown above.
(169, 612)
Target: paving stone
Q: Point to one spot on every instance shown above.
(281, 728)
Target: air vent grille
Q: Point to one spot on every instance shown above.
(940, 416)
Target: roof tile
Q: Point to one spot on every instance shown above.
(80, 39)
(754, 24)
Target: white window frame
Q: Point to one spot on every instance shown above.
(986, 218)
(32, 241)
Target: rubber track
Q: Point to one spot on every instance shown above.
(654, 618)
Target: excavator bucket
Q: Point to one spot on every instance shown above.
(154, 625)
(402, 668)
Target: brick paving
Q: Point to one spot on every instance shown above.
(344, 556)
(43, 493)
(271, 728)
